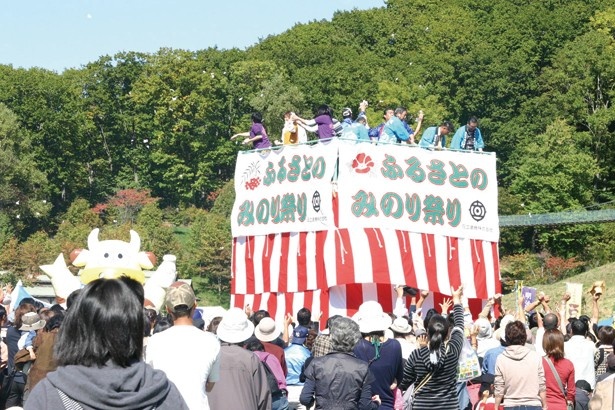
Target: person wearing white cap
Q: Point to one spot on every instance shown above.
(193, 375)
(492, 354)
(383, 355)
(243, 381)
(484, 338)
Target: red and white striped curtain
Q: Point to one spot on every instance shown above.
(334, 271)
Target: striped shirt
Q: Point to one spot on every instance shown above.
(440, 391)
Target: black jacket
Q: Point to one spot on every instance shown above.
(338, 381)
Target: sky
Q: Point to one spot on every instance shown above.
(64, 34)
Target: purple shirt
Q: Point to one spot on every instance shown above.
(275, 367)
(258, 129)
(325, 127)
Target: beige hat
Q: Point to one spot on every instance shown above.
(179, 293)
(401, 325)
(266, 331)
(371, 317)
(31, 321)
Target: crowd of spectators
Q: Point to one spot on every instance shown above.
(106, 350)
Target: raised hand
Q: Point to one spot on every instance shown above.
(457, 294)
(445, 306)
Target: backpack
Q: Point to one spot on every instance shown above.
(272, 381)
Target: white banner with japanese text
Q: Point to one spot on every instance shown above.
(413, 189)
(284, 190)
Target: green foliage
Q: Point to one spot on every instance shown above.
(602, 249)
(75, 226)
(180, 108)
(604, 21)
(552, 173)
(580, 87)
(47, 106)
(9, 256)
(37, 250)
(207, 253)
(524, 266)
(277, 96)
(537, 269)
(224, 200)
(6, 229)
(156, 234)
(23, 188)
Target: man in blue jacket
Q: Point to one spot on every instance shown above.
(468, 137)
(435, 137)
(394, 129)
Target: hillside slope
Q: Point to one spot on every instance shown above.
(556, 290)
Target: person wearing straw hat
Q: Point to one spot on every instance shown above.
(267, 331)
(243, 381)
(382, 355)
(194, 377)
(402, 332)
(31, 322)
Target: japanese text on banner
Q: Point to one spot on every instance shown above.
(286, 190)
(413, 189)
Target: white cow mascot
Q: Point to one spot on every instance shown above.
(112, 259)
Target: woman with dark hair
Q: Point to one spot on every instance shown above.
(559, 372)
(213, 325)
(324, 124)
(339, 380)
(432, 368)
(162, 325)
(98, 351)
(272, 366)
(257, 134)
(519, 374)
